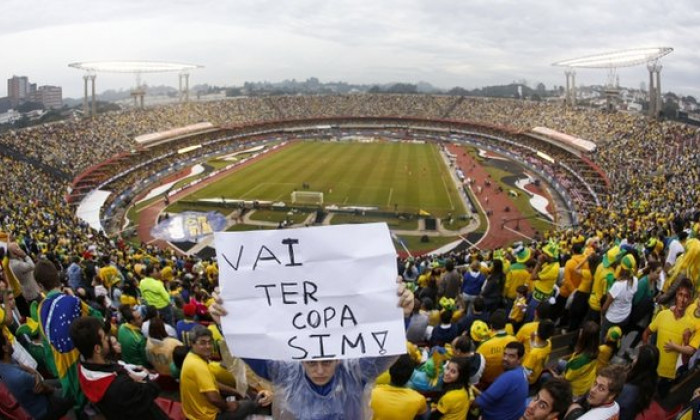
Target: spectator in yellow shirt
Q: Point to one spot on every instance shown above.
(669, 326)
(517, 313)
(493, 348)
(544, 276)
(540, 348)
(202, 397)
(394, 401)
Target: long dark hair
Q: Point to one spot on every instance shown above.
(463, 378)
(644, 377)
(497, 273)
(587, 342)
(156, 329)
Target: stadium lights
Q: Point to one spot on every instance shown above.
(620, 58)
(133, 66)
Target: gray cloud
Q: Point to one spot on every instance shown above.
(447, 43)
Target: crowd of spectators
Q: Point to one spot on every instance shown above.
(638, 249)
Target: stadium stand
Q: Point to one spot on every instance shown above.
(637, 193)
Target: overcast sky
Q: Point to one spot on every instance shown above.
(447, 43)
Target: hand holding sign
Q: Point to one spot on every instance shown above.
(406, 298)
(315, 293)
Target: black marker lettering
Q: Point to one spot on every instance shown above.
(313, 319)
(322, 354)
(291, 242)
(383, 334)
(267, 292)
(308, 293)
(347, 315)
(286, 293)
(306, 353)
(328, 314)
(359, 342)
(294, 321)
(238, 261)
(270, 256)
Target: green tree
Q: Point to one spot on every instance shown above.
(233, 92)
(670, 109)
(403, 88)
(29, 106)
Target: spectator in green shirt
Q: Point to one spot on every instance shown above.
(131, 338)
(154, 293)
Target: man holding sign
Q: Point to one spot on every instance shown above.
(314, 311)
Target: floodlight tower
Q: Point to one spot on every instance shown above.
(623, 58)
(655, 103)
(184, 92)
(89, 76)
(138, 92)
(570, 99)
(136, 67)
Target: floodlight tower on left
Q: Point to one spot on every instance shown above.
(90, 75)
(136, 67)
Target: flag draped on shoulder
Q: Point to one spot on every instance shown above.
(56, 314)
(95, 383)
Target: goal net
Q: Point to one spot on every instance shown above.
(307, 197)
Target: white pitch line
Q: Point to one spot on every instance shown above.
(518, 233)
(244, 195)
(436, 156)
(388, 202)
(449, 196)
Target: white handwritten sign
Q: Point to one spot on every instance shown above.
(314, 293)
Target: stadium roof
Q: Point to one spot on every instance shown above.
(133, 66)
(614, 59)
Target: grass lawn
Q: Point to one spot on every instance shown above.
(278, 216)
(522, 201)
(414, 242)
(219, 163)
(391, 176)
(483, 221)
(133, 215)
(179, 207)
(243, 227)
(393, 223)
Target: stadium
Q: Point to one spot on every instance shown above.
(455, 178)
(560, 161)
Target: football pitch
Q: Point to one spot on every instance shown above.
(392, 176)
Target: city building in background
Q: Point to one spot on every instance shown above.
(19, 91)
(49, 96)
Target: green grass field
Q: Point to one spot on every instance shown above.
(390, 176)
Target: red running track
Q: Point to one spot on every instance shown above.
(495, 201)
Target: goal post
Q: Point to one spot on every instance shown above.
(307, 197)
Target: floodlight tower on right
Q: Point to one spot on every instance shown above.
(612, 61)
